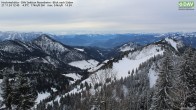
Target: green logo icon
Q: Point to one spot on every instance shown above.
(187, 5)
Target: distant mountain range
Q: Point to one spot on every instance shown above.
(103, 40)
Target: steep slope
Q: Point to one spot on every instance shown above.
(131, 60)
(58, 50)
(174, 43)
(18, 51)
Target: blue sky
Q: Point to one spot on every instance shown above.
(101, 16)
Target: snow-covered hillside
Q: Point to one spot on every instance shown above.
(60, 51)
(74, 76)
(47, 44)
(129, 62)
(153, 76)
(175, 44)
(128, 47)
(10, 46)
(84, 64)
(133, 60)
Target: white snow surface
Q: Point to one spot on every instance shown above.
(172, 43)
(84, 64)
(175, 44)
(153, 76)
(42, 96)
(74, 76)
(74, 91)
(127, 48)
(135, 59)
(82, 50)
(54, 89)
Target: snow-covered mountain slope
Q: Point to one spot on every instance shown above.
(60, 51)
(44, 69)
(122, 66)
(141, 60)
(130, 61)
(174, 43)
(74, 76)
(49, 45)
(84, 64)
(44, 50)
(17, 51)
(128, 47)
(133, 60)
(12, 47)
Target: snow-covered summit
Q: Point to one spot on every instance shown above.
(60, 51)
(48, 44)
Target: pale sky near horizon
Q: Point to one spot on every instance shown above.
(100, 16)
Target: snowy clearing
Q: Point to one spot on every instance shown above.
(172, 43)
(42, 96)
(153, 76)
(74, 76)
(135, 59)
(82, 50)
(84, 64)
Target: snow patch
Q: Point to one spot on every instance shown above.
(153, 76)
(54, 89)
(84, 64)
(74, 76)
(82, 50)
(126, 49)
(172, 43)
(42, 96)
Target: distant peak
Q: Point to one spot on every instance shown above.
(45, 36)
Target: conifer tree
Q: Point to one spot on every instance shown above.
(188, 79)
(164, 95)
(24, 95)
(6, 93)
